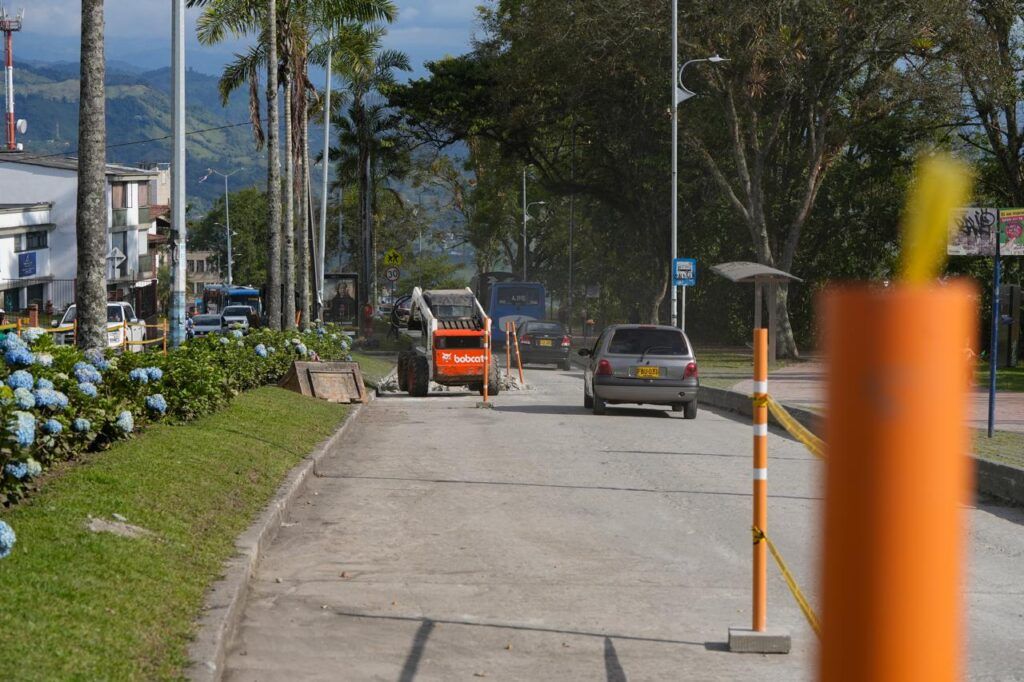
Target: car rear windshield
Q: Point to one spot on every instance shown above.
(651, 341)
(206, 320)
(545, 328)
(237, 310)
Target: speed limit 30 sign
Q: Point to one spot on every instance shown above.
(392, 274)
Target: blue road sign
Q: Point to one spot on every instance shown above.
(684, 272)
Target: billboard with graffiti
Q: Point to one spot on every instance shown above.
(972, 232)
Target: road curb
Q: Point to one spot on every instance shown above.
(225, 600)
(1004, 482)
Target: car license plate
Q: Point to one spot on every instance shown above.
(648, 372)
(546, 342)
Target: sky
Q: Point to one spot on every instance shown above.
(138, 32)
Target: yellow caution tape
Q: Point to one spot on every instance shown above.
(796, 429)
(145, 343)
(58, 330)
(760, 402)
(798, 595)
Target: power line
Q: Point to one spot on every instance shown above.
(135, 142)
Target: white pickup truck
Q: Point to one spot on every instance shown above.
(120, 320)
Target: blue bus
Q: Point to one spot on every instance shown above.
(509, 301)
(217, 296)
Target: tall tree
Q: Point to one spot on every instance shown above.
(91, 221)
(273, 169)
(288, 305)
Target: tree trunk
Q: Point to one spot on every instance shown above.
(302, 158)
(288, 306)
(273, 176)
(91, 222)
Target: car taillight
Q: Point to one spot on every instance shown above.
(604, 368)
(526, 340)
(691, 371)
(566, 341)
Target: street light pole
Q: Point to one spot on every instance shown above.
(231, 258)
(679, 95)
(525, 218)
(177, 321)
(321, 260)
(227, 210)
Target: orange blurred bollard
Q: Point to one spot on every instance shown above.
(487, 355)
(898, 475)
(508, 349)
(760, 607)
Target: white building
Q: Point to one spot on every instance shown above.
(39, 194)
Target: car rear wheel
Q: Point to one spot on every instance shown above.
(690, 411)
(599, 405)
(588, 402)
(677, 407)
(566, 365)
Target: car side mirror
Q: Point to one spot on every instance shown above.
(134, 320)
(54, 323)
(583, 352)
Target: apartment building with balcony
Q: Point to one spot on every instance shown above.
(29, 180)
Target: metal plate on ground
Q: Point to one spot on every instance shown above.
(336, 382)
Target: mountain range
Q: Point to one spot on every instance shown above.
(139, 109)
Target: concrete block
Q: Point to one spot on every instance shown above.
(485, 406)
(747, 641)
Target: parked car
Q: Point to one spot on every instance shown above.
(645, 364)
(207, 324)
(120, 320)
(238, 314)
(544, 342)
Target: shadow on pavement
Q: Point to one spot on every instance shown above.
(572, 409)
(419, 642)
(1003, 510)
(518, 484)
(704, 454)
(612, 668)
(510, 626)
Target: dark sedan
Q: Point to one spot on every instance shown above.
(543, 342)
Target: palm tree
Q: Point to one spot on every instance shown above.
(370, 146)
(296, 22)
(273, 169)
(91, 221)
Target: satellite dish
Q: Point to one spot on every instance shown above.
(22, 126)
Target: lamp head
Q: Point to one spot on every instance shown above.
(715, 59)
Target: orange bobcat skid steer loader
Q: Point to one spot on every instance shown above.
(449, 332)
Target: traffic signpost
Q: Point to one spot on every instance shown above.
(684, 274)
(392, 258)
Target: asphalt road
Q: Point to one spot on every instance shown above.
(536, 541)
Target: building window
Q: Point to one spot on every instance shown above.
(143, 194)
(37, 294)
(200, 266)
(191, 265)
(32, 242)
(119, 195)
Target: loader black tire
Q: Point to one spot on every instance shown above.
(403, 371)
(419, 376)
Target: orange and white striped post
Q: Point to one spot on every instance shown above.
(519, 358)
(487, 355)
(124, 335)
(508, 349)
(165, 336)
(760, 607)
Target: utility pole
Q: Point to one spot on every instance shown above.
(572, 217)
(675, 159)
(526, 217)
(323, 192)
(177, 322)
(227, 212)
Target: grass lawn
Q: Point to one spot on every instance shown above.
(77, 604)
(1007, 379)
(373, 367)
(725, 368)
(1005, 447)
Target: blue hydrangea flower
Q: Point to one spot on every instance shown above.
(224, 340)
(23, 427)
(96, 358)
(18, 470)
(44, 360)
(11, 342)
(24, 399)
(7, 539)
(294, 342)
(155, 373)
(237, 333)
(139, 374)
(301, 349)
(43, 382)
(19, 356)
(32, 334)
(47, 397)
(85, 372)
(81, 425)
(125, 421)
(52, 427)
(20, 379)
(34, 467)
(271, 350)
(88, 389)
(320, 331)
(156, 403)
(261, 350)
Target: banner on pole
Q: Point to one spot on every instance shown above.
(1011, 231)
(972, 232)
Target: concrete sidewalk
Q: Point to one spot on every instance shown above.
(802, 384)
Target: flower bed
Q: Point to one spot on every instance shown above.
(57, 402)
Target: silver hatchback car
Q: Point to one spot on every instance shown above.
(645, 364)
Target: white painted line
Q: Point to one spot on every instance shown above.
(761, 386)
(760, 429)
(760, 474)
